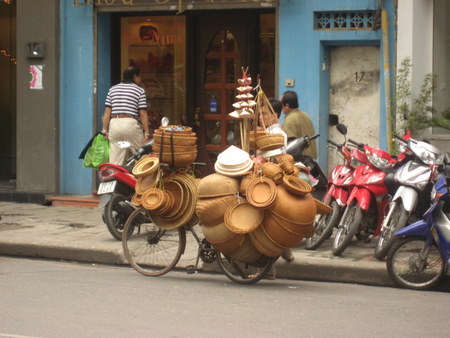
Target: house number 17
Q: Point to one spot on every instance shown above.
(359, 76)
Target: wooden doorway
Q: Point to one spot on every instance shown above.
(223, 43)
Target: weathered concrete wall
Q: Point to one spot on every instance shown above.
(37, 109)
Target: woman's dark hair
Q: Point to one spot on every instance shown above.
(290, 97)
(276, 105)
(130, 72)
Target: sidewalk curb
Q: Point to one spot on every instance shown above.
(93, 255)
(308, 269)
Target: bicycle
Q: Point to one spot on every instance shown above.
(154, 251)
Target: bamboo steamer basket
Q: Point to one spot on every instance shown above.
(176, 148)
(264, 244)
(301, 230)
(173, 128)
(216, 185)
(175, 139)
(247, 253)
(261, 192)
(272, 171)
(223, 239)
(178, 160)
(278, 233)
(296, 186)
(211, 211)
(269, 142)
(251, 138)
(293, 208)
(243, 218)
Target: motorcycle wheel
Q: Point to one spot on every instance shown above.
(243, 273)
(347, 230)
(397, 220)
(114, 220)
(412, 264)
(151, 250)
(323, 227)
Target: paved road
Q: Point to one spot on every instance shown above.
(54, 299)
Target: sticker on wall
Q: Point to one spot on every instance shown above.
(35, 76)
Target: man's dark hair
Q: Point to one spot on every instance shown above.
(290, 97)
(276, 105)
(130, 72)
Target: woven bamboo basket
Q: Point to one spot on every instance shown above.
(211, 211)
(269, 142)
(296, 186)
(175, 139)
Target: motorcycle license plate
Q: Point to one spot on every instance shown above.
(106, 187)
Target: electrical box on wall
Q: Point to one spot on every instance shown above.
(289, 82)
(35, 50)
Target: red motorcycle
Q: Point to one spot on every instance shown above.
(340, 185)
(116, 189)
(369, 200)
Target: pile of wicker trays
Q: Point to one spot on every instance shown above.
(170, 201)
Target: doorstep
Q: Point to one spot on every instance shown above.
(74, 200)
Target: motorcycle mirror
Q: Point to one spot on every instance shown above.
(165, 121)
(341, 128)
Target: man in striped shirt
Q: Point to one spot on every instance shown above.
(125, 117)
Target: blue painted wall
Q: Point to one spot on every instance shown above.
(76, 95)
(104, 63)
(303, 50)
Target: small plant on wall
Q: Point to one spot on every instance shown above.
(416, 114)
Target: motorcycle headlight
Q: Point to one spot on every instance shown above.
(355, 163)
(427, 153)
(379, 162)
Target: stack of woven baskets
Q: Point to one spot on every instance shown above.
(171, 201)
(175, 145)
(263, 212)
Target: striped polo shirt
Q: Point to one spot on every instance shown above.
(126, 98)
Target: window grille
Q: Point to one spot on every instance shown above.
(345, 20)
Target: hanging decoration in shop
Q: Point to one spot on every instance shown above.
(5, 53)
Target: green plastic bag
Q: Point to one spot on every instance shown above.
(98, 153)
(87, 162)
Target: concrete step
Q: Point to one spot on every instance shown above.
(74, 200)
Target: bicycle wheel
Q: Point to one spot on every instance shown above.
(151, 250)
(243, 273)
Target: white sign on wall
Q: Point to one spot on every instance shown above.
(35, 77)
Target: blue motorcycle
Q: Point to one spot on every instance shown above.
(421, 258)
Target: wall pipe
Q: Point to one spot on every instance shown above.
(387, 79)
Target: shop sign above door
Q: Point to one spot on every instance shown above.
(177, 4)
